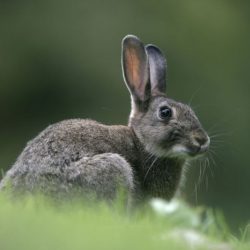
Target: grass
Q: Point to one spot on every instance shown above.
(37, 223)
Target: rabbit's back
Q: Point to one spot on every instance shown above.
(70, 140)
(76, 153)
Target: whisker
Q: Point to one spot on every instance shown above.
(211, 157)
(148, 159)
(206, 167)
(210, 168)
(212, 150)
(216, 141)
(200, 174)
(194, 94)
(216, 145)
(216, 125)
(152, 164)
(203, 178)
(219, 135)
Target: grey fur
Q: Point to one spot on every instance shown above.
(146, 158)
(158, 66)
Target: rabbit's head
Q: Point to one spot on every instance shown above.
(165, 127)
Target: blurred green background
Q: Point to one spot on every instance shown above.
(61, 59)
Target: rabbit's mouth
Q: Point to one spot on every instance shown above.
(181, 151)
(192, 150)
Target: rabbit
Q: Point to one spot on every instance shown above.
(146, 158)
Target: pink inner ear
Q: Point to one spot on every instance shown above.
(136, 71)
(133, 68)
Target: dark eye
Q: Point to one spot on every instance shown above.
(165, 113)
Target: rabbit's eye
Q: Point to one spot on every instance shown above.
(165, 113)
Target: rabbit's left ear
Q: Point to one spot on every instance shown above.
(157, 69)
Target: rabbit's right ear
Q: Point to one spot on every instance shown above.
(135, 68)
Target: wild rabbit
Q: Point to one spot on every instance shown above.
(145, 158)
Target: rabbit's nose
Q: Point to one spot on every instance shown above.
(200, 139)
(201, 143)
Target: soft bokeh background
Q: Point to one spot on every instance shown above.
(61, 59)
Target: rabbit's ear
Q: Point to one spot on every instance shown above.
(157, 66)
(135, 68)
